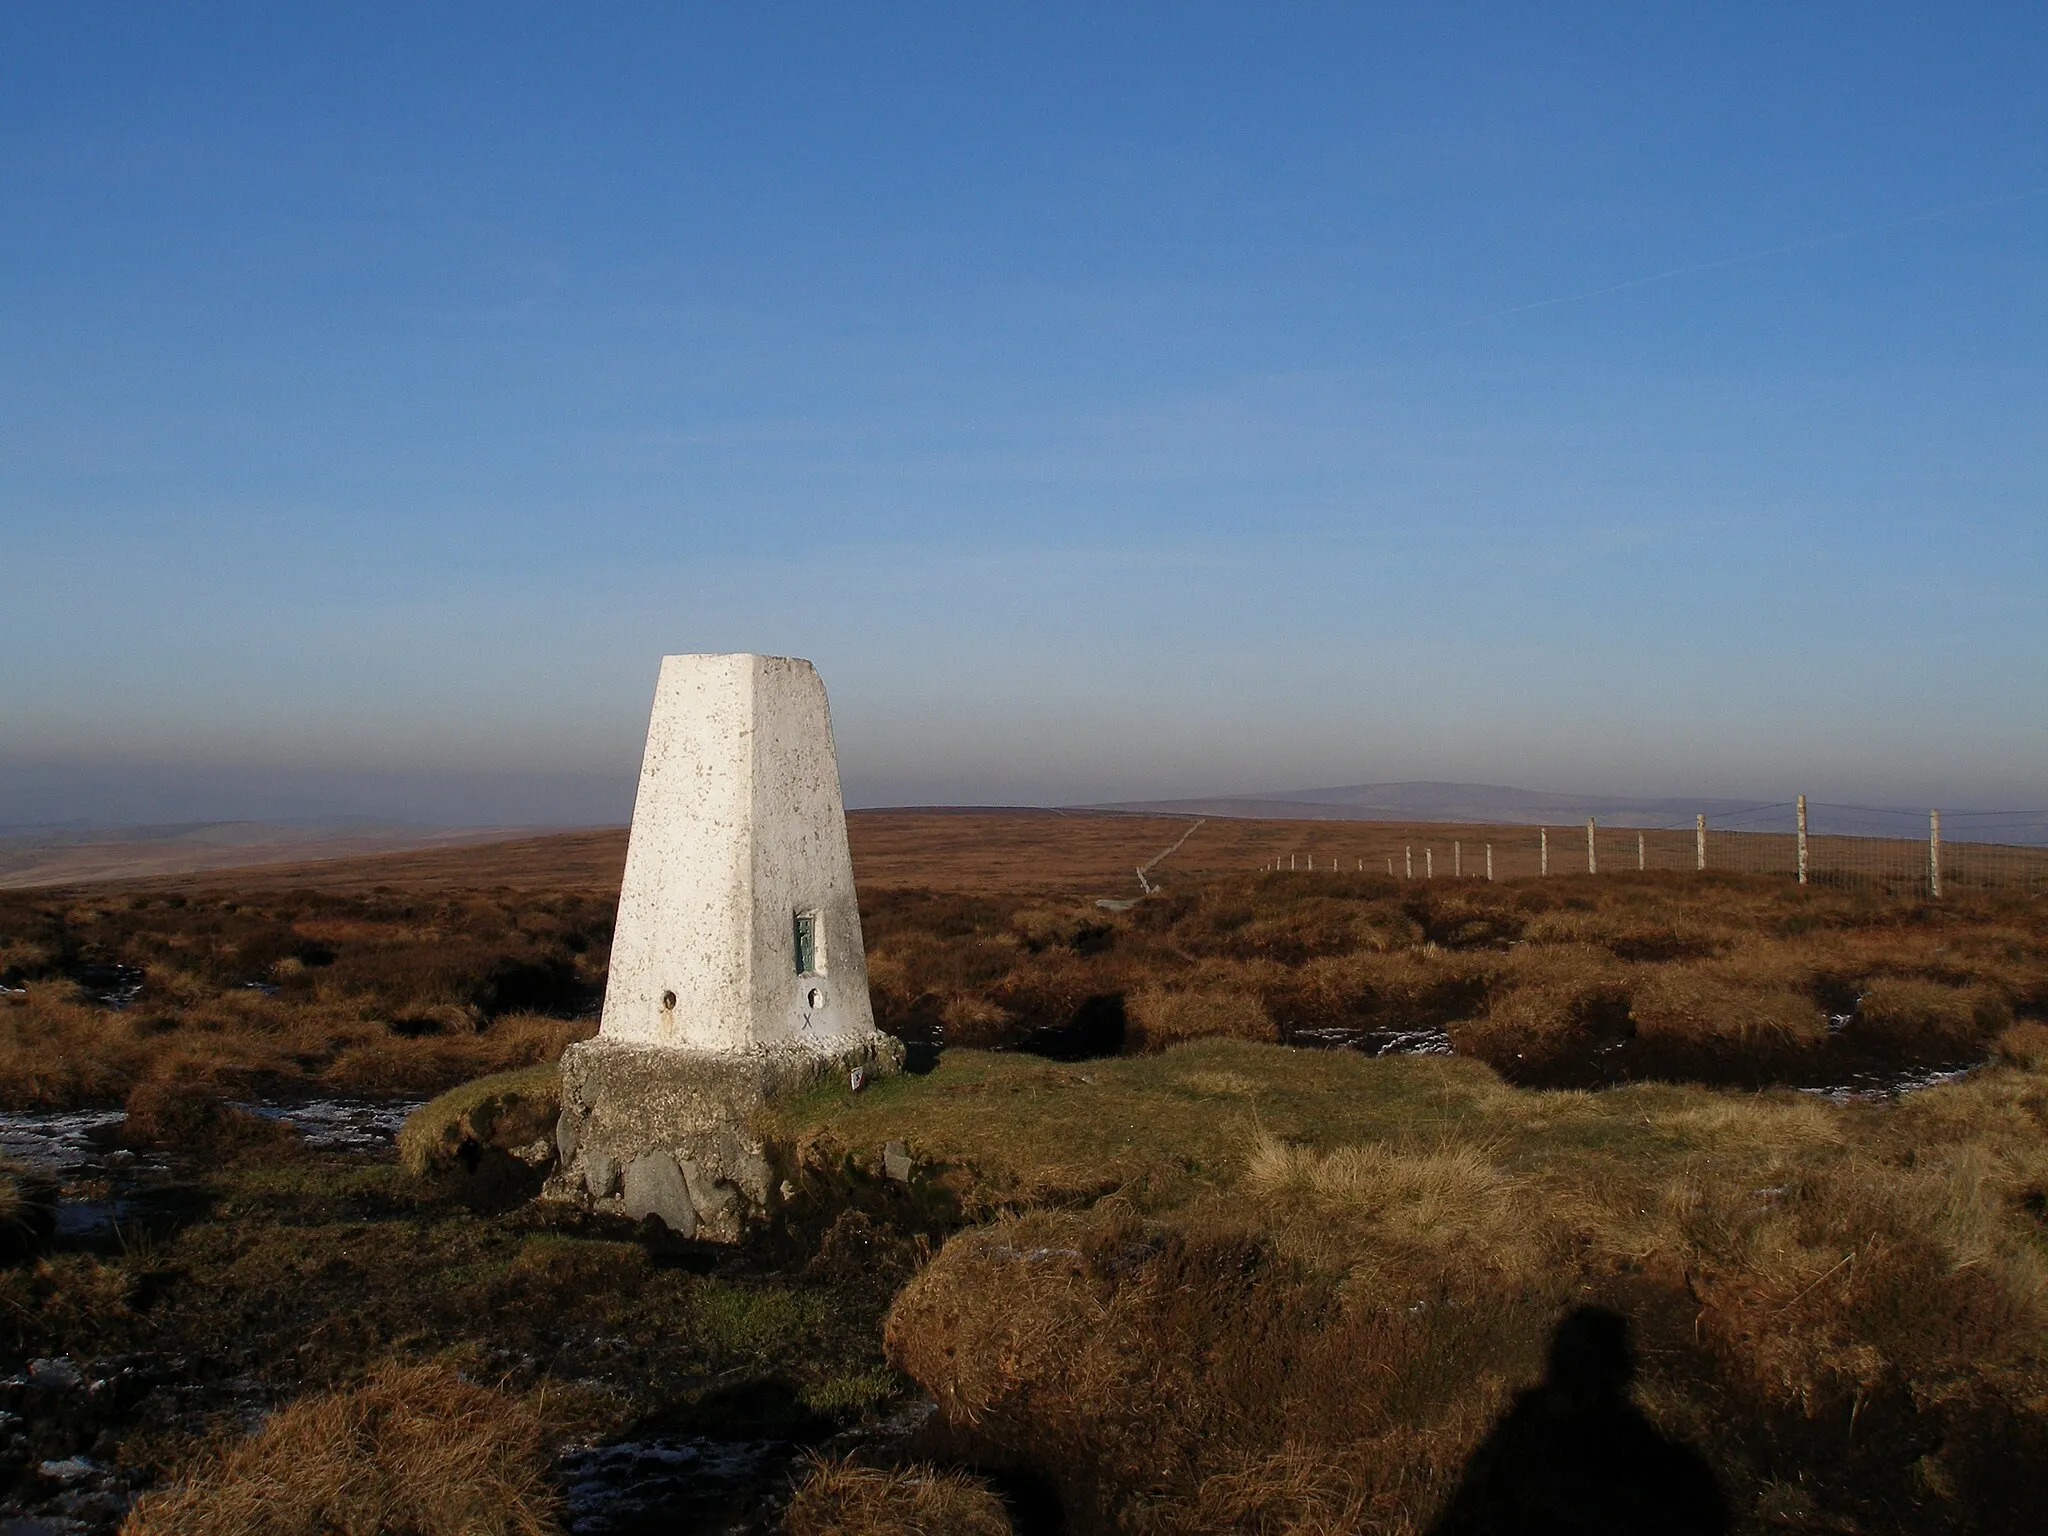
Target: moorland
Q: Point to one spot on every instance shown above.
(1177, 1251)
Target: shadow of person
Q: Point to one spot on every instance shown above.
(1574, 1455)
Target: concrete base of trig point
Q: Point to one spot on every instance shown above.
(737, 974)
(653, 1131)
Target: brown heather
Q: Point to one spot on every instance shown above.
(1209, 1285)
(844, 1498)
(1318, 1280)
(415, 1450)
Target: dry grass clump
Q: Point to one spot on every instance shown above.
(1919, 1017)
(1719, 1022)
(1174, 1381)
(975, 1021)
(1424, 1201)
(1161, 1017)
(195, 1116)
(56, 1049)
(28, 1211)
(1408, 989)
(844, 1498)
(2024, 1045)
(1633, 932)
(415, 1450)
(1557, 1011)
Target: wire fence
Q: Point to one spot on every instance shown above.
(1942, 854)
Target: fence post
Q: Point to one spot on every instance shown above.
(1408, 860)
(1592, 856)
(1640, 865)
(1489, 861)
(1934, 853)
(1802, 839)
(1429, 863)
(1390, 866)
(1457, 858)
(1543, 853)
(1699, 838)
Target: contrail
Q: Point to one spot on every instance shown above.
(1726, 261)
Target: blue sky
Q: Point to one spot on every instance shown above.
(1112, 401)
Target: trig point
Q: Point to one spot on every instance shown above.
(737, 972)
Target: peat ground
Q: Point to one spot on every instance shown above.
(1186, 1279)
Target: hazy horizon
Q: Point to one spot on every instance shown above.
(1145, 404)
(60, 796)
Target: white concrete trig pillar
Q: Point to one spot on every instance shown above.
(1800, 813)
(737, 927)
(738, 975)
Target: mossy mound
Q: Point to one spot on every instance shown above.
(506, 1111)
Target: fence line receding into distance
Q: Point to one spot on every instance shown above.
(1893, 850)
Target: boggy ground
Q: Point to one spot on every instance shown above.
(1235, 1287)
(266, 992)
(1571, 981)
(362, 985)
(307, 1277)
(1222, 1287)
(1203, 1284)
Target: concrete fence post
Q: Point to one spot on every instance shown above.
(1640, 865)
(1699, 838)
(1489, 861)
(1429, 863)
(1457, 859)
(1592, 853)
(1800, 815)
(1408, 860)
(1934, 853)
(1543, 850)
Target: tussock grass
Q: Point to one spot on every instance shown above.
(415, 1450)
(270, 991)
(1572, 981)
(1250, 1288)
(2025, 1045)
(1162, 1018)
(1917, 1015)
(844, 1498)
(28, 1205)
(194, 1116)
